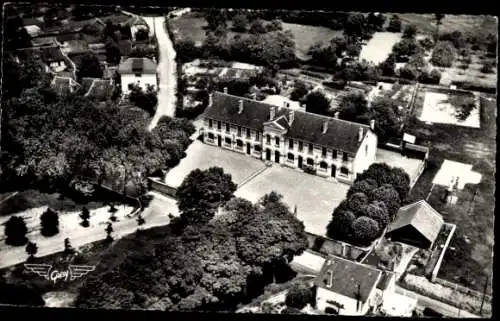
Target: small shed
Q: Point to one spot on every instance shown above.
(417, 224)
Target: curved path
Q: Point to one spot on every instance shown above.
(166, 70)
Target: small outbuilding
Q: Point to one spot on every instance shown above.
(417, 224)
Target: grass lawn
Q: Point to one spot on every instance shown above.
(467, 24)
(203, 156)
(190, 26)
(471, 74)
(471, 261)
(314, 196)
(379, 46)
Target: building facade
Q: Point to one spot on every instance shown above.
(316, 144)
(137, 71)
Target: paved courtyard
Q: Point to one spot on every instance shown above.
(204, 156)
(314, 196)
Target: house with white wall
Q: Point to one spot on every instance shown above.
(137, 71)
(326, 146)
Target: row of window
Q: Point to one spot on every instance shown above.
(345, 156)
(322, 165)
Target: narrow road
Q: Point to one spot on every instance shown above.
(156, 214)
(436, 305)
(166, 71)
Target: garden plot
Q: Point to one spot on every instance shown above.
(437, 109)
(379, 47)
(450, 170)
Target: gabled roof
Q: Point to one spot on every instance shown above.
(137, 65)
(385, 280)
(68, 37)
(47, 54)
(351, 279)
(99, 88)
(422, 217)
(340, 135)
(63, 85)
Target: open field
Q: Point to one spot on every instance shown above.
(471, 261)
(471, 74)
(467, 24)
(379, 47)
(204, 156)
(190, 26)
(437, 109)
(314, 196)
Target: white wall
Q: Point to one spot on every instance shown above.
(366, 154)
(58, 66)
(142, 81)
(323, 295)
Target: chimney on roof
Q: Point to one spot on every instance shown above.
(336, 115)
(325, 126)
(272, 113)
(240, 106)
(360, 133)
(291, 117)
(372, 124)
(210, 99)
(225, 90)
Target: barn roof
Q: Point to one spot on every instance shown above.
(422, 217)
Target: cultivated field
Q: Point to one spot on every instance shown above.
(379, 47)
(471, 260)
(437, 109)
(471, 74)
(467, 24)
(314, 196)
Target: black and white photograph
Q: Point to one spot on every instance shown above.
(248, 161)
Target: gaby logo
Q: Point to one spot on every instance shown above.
(49, 273)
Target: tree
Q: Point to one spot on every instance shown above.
(299, 91)
(31, 249)
(405, 49)
(49, 221)
(142, 35)
(298, 296)
(387, 119)
(109, 230)
(439, 17)
(426, 43)
(388, 66)
(456, 38)
(89, 66)
(317, 103)
(356, 201)
(323, 56)
(487, 67)
(257, 27)
(216, 17)
(389, 196)
(365, 186)
(110, 31)
(145, 100)
(443, 54)
(353, 49)
(240, 23)
(365, 230)
(394, 24)
(355, 25)
(15, 231)
(68, 249)
(340, 226)
(140, 220)
(15, 35)
(375, 21)
(274, 25)
(113, 54)
(410, 31)
(85, 216)
(352, 106)
(409, 72)
(202, 192)
(186, 49)
(392, 176)
(378, 212)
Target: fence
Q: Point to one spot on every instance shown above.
(463, 289)
(327, 246)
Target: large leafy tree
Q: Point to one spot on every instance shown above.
(316, 102)
(353, 107)
(394, 24)
(389, 196)
(385, 174)
(89, 66)
(365, 230)
(15, 35)
(202, 192)
(299, 296)
(340, 226)
(49, 222)
(15, 231)
(387, 118)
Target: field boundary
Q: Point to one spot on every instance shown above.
(443, 251)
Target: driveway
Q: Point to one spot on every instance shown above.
(166, 70)
(156, 214)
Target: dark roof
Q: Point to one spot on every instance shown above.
(62, 85)
(32, 22)
(68, 37)
(137, 65)
(100, 89)
(86, 82)
(125, 47)
(422, 217)
(347, 276)
(340, 135)
(47, 54)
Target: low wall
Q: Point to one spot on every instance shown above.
(443, 251)
(338, 248)
(162, 188)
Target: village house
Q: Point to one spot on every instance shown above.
(348, 288)
(138, 71)
(64, 85)
(416, 224)
(325, 146)
(52, 57)
(33, 26)
(98, 89)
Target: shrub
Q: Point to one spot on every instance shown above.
(365, 230)
(340, 226)
(378, 212)
(389, 196)
(364, 186)
(49, 221)
(356, 201)
(443, 54)
(298, 296)
(15, 231)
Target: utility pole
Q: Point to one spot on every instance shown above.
(484, 295)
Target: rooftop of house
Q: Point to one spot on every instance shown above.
(422, 217)
(385, 280)
(47, 54)
(97, 88)
(63, 85)
(137, 65)
(65, 37)
(340, 135)
(77, 46)
(348, 278)
(33, 21)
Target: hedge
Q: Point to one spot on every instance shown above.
(337, 84)
(313, 74)
(466, 85)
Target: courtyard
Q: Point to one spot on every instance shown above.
(314, 196)
(203, 156)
